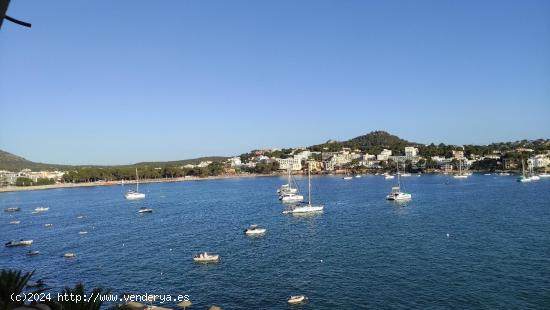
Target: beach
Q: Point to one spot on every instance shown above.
(129, 182)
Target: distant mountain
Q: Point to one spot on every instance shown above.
(371, 142)
(11, 162)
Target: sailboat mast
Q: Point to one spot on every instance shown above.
(309, 183)
(289, 184)
(137, 181)
(398, 175)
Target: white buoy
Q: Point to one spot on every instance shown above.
(448, 235)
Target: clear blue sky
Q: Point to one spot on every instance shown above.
(110, 82)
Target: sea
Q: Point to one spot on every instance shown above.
(476, 243)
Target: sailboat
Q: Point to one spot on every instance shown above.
(460, 174)
(287, 193)
(135, 195)
(524, 178)
(309, 208)
(396, 194)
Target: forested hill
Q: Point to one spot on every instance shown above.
(372, 143)
(13, 162)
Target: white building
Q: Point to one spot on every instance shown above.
(384, 155)
(303, 155)
(539, 161)
(411, 152)
(292, 163)
(235, 161)
(204, 164)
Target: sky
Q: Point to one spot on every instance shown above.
(115, 82)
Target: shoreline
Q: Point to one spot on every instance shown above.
(10, 189)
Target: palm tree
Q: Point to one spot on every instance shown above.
(12, 282)
(88, 303)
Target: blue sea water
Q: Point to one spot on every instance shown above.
(363, 252)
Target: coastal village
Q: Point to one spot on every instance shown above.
(344, 161)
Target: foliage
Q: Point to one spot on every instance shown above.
(12, 282)
(486, 164)
(93, 174)
(263, 168)
(44, 181)
(81, 300)
(22, 181)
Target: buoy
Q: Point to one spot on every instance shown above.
(448, 235)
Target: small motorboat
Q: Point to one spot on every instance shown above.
(18, 243)
(145, 210)
(33, 253)
(40, 210)
(358, 176)
(347, 178)
(12, 209)
(82, 232)
(388, 176)
(206, 258)
(80, 217)
(15, 222)
(254, 230)
(69, 255)
(298, 299)
(48, 225)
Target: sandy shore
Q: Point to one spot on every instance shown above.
(112, 183)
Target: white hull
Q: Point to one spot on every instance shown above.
(389, 177)
(399, 197)
(134, 196)
(255, 232)
(296, 299)
(206, 258)
(461, 176)
(292, 198)
(347, 178)
(305, 209)
(544, 175)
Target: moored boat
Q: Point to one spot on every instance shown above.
(297, 299)
(14, 243)
(396, 194)
(254, 230)
(291, 198)
(309, 208)
(12, 209)
(206, 258)
(135, 195)
(40, 210)
(32, 253)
